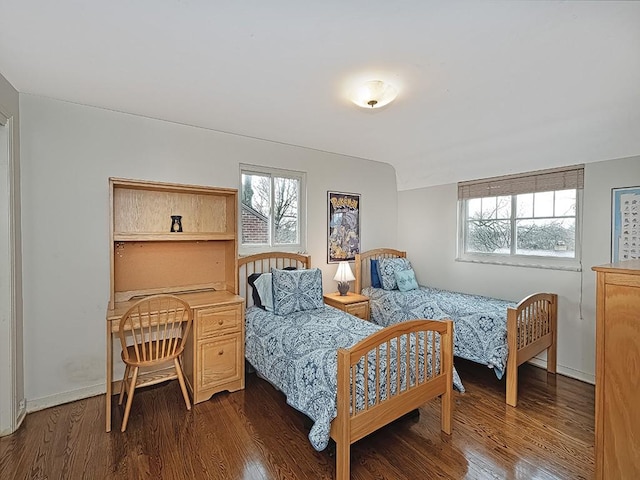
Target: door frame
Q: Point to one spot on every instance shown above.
(12, 409)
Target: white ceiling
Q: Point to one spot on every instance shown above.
(486, 87)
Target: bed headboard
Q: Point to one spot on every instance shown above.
(363, 264)
(263, 263)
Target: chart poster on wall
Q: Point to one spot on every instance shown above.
(625, 224)
(343, 227)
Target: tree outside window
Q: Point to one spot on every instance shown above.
(533, 224)
(271, 206)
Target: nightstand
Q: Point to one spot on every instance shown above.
(352, 303)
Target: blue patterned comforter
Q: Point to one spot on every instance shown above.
(480, 323)
(297, 353)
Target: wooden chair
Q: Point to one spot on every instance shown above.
(159, 326)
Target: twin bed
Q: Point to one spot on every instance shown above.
(350, 376)
(499, 334)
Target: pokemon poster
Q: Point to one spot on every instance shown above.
(344, 226)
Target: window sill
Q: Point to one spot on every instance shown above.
(574, 266)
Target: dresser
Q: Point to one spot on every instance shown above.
(617, 421)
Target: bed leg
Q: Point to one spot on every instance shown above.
(343, 458)
(446, 399)
(343, 418)
(512, 358)
(552, 357)
(445, 412)
(512, 383)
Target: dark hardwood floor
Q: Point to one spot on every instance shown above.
(254, 434)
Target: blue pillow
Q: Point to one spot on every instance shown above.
(388, 267)
(296, 290)
(375, 279)
(406, 280)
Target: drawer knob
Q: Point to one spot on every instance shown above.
(220, 322)
(221, 352)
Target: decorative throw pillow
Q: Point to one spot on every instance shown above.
(296, 290)
(388, 267)
(375, 278)
(265, 290)
(406, 280)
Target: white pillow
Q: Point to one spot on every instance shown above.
(265, 289)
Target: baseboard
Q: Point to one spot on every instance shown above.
(20, 415)
(566, 371)
(22, 412)
(72, 396)
(64, 397)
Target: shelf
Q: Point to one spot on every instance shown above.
(171, 237)
(147, 258)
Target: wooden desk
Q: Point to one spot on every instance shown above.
(213, 360)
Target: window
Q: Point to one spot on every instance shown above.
(272, 205)
(530, 219)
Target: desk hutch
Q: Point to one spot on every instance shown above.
(197, 263)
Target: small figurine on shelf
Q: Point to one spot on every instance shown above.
(176, 223)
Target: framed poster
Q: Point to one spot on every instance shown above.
(625, 224)
(343, 237)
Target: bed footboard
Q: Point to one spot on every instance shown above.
(425, 372)
(531, 328)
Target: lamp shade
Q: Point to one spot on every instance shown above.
(344, 273)
(373, 94)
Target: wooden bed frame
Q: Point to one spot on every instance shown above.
(351, 424)
(531, 325)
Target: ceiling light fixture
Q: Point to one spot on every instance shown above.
(374, 94)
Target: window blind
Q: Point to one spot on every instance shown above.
(564, 178)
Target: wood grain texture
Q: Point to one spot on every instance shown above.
(146, 258)
(617, 383)
(353, 303)
(254, 434)
(149, 210)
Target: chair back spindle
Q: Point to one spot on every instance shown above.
(153, 332)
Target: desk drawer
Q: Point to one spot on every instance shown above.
(221, 361)
(218, 320)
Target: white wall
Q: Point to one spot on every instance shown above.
(427, 230)
(68, 153)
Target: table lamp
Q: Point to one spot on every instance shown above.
(344, 275)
